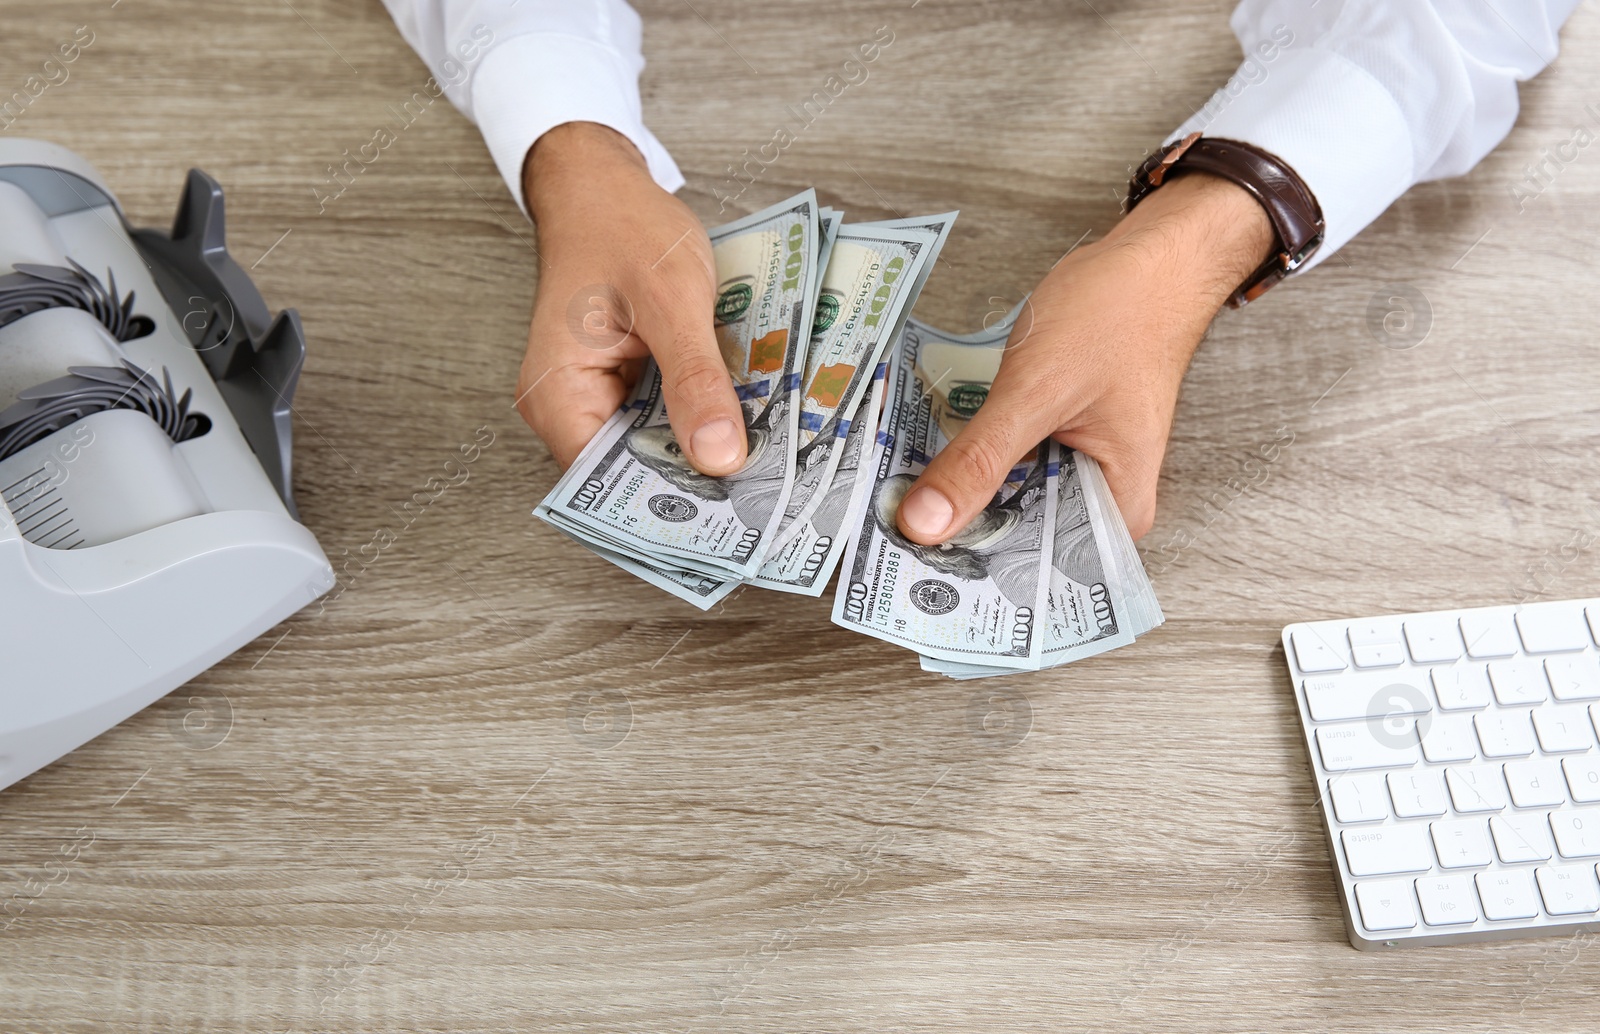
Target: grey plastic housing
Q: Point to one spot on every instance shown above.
(254, 359)
(137, 549)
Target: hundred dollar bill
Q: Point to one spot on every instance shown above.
(828, 221)
(807, 551)
(634, 488)
(1099, 595)
(766, 291)
(1084, 603)
(866, 287)
(701, 590)
(1086, 610)
(977, 599)
(1141, 610)
(805, 561)
(1085, 600)
(938, 225)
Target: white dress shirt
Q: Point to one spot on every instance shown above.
(1362, 98)
(548, 62)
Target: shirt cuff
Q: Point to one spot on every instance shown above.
(1332, 122)
(530, 84)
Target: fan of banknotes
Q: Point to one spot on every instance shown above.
(846, 399)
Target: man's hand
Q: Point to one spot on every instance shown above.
(626, 271)
(1097, 361)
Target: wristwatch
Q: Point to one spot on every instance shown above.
(1296, 217)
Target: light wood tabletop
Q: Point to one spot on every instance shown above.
(497, 784)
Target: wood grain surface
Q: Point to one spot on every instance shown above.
(498, 785)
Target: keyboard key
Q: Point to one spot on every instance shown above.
(1552, 627)
(1373, 632)
(1447, 900)
(1562, 729)
(1364, 745)
(1521, 838)
(1386, 905)
(1574, 677)
(1378, 655)
(1489, 633)
(1536, 783)
(1332, 698)
(1568, 890)
(1462, 843)
(1508, 894)
(1433, 640)
(1504, 734)
(1475, 788)
(1577, 832)
(1375, 643)
(1417, 794)
(1519, 681)
(1448, 737)
(1387, 849)
(1354, 694)
(1313, 654)
(1594, 622)
(1358, 798)
(1583, 778)
(1464, 687)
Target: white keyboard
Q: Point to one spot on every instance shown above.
(1458, 769)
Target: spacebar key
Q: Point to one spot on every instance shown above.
(1378, 743)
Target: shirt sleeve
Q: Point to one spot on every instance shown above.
(519, 68)
(1363, 98)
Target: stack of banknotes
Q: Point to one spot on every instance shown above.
(846, 399)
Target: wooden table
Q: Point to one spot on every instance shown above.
(499, 785)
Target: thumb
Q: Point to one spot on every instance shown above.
(966, 474)
(701, 404)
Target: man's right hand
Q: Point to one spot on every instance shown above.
(625, 271)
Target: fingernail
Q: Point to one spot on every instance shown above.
(927, 512)
(716, 445)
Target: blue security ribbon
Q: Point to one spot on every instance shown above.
(753, 390)
(811, 421)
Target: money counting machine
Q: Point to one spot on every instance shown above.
(147, 528)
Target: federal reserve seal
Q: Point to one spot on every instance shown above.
(931, 596)
(674, 508)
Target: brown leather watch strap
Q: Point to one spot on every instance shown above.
(1296, 216)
